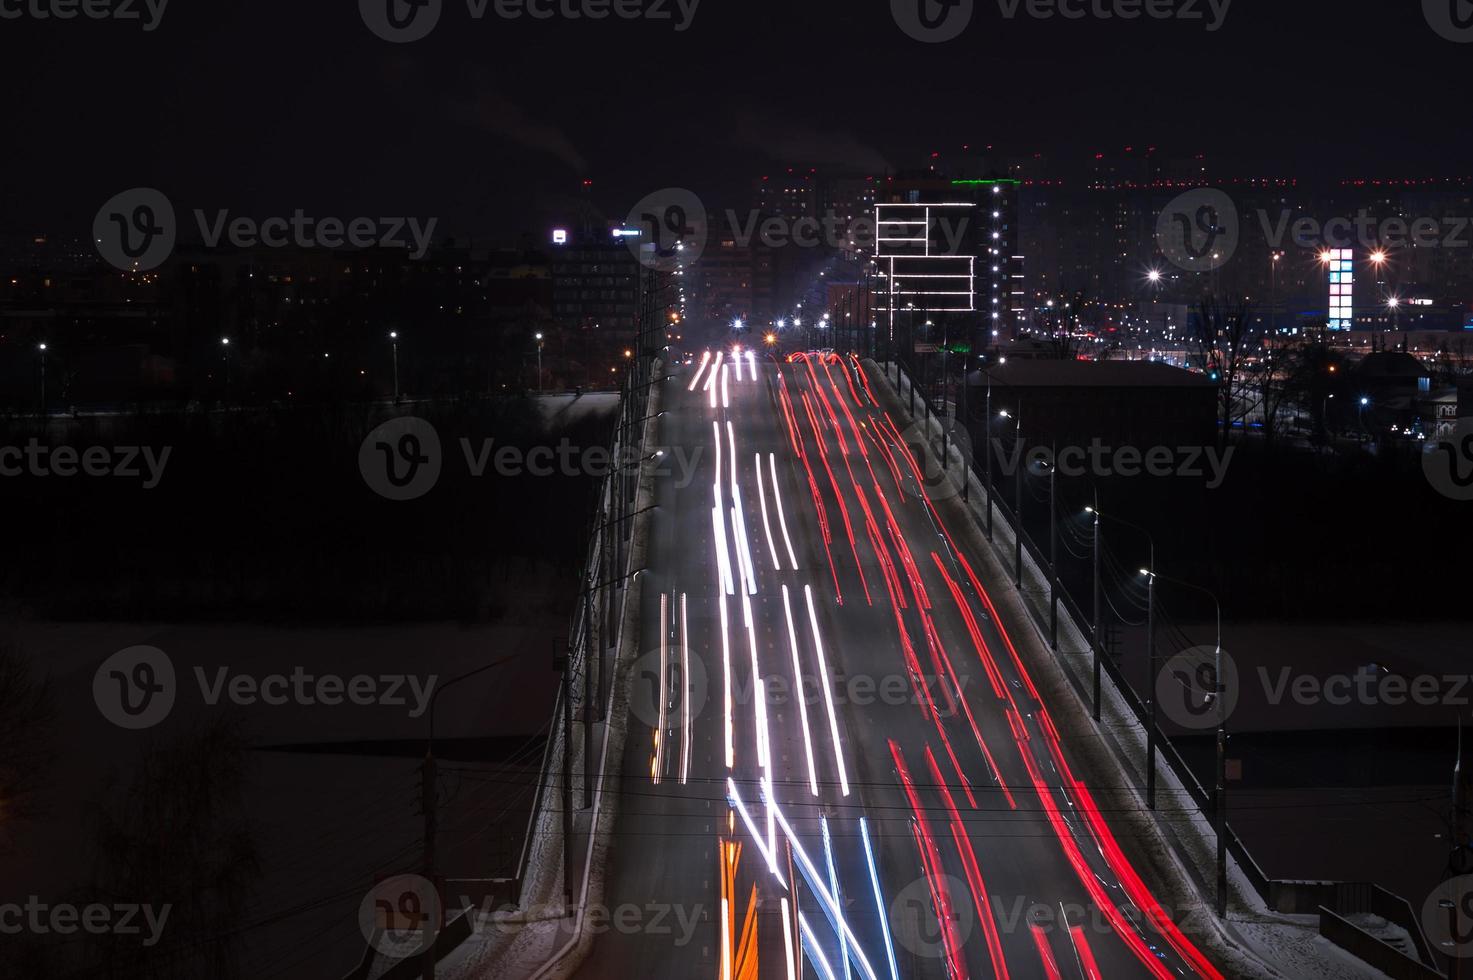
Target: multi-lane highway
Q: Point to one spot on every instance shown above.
(838, 764)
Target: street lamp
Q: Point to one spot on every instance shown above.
(1017, 417)
(1219, 807)
(539, 361)
(428, 800)
(42, 349)
(225, 357)
(394, 342)
(1151, 724)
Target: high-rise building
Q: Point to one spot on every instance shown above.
(595, 282)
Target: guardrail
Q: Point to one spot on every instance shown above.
(1330, 900)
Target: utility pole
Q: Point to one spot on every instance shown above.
(1096, 637)
(987, 449)
(568, 785)
(42, 349)
(429, 800)
(394, 343)
(428, 781)
(1151, 685)
(1053, 549)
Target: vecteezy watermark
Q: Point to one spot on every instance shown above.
(942, 455)
(689, 696)
(402, 460)
(1188, 688)
(403, 21)
(1186, 685)
(1198, 231)
(1448, 463)
(1365, 230)
(920, 928)
(671, 227)
(149, 13)
(1451, 19)
(400, 916)
(137, 230)
(123, 462)
(136, 688)
(1370, 686)
(1100, 460)
(935, 21)
(679, 922)
(1447, 917)
(62, 919)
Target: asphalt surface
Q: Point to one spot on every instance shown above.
(986, 856)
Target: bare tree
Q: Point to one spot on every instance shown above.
(1225, 341)
(175, 836)
(1061, 317)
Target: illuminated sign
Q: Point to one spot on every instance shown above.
(627, 233)
(560, 236)
(1341, 265)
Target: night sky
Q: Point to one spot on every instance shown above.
(262, 107)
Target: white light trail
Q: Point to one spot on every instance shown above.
(716, 437)
(831, 907)
(664, 674)
(725, 938)
(874, 878)
(726, 679)
(788, 938)
(752, 363)
(815, 954)
(828, 694)
(723, 559)
(781, 517)
(725, 384)
(731, 441)
(705, 359)
(802, 701)
(685, 732)
(777, 564)
(716, 369)
(741, 809)
(743, 546)
(828, 858)
(736, 358)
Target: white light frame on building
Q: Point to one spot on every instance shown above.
(904, 234)
(1340, 265)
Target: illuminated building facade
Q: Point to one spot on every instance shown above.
(1340, 264)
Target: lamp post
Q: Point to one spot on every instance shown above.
(427, 794)
(1151, 704)
(225, 357)
(1017, 416)
(42, 349)
(1098, 596)
(539, 362)
(1219, 800)
(394, 343)
(987, 450)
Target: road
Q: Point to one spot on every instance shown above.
(853, 776)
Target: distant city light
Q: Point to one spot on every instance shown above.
(560, 236)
